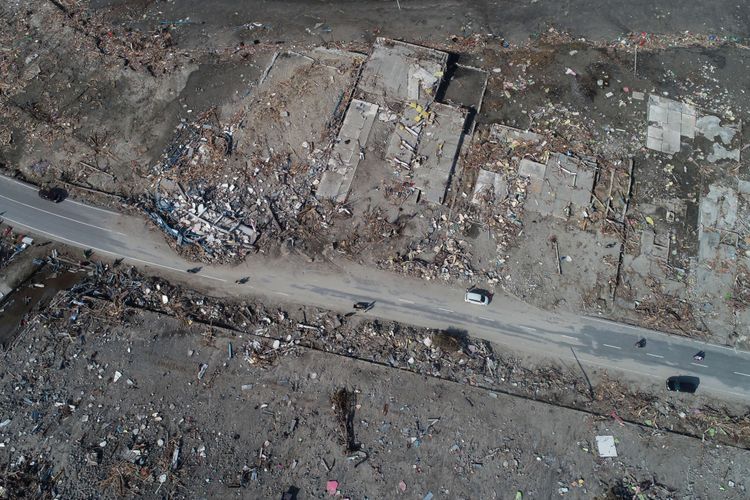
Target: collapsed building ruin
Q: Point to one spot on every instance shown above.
(396, 93)
(316, 121)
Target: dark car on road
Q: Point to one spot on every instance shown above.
(54, 194)
(683, 383)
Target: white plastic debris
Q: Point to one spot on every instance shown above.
(606, 446)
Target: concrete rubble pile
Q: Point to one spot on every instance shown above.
(224, 215)
(500, 189)
(447, 259)
(228, 189)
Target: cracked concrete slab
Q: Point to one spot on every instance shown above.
(398, 71)
(710, 127)
(337, 180)
(438, 144)
(669, 120)
(493, 183)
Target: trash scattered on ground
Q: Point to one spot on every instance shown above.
(141, 444)
(332, 487)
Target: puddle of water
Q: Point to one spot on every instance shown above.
(16, 308)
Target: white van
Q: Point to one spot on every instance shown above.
(476, 298)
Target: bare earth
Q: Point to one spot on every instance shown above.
(106, 412)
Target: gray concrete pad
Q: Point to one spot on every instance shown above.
(438, 144)
(398, 71)
(718, 209)
(668, 121)
(507, 135)
(710, 127)
(532, 169)
(490, 186)
(561, 187)
(337, 180)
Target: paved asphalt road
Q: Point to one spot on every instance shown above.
(506, 321)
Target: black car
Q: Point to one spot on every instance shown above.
(683, 383)
(54, 194)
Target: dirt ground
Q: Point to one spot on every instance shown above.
(128, 385)
(156, 408)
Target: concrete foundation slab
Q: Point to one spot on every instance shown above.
(438, 144)
(337, 180)
(398, 71)
(490, 186)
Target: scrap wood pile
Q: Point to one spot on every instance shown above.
(631, 488)
(11, 244)
(610, 198)
(448, 354)
(499, 193)
(375, 232)
(741, 290)
(660, 311)
(448, 259)
(108, 295)
(705, 421)
(28, 476)
(657, 41)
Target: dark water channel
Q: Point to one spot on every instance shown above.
(18, 306)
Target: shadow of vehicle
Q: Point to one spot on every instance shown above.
(451, 339)
(683, 383)
(364, 306)
(53, 194)
(290, 494)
